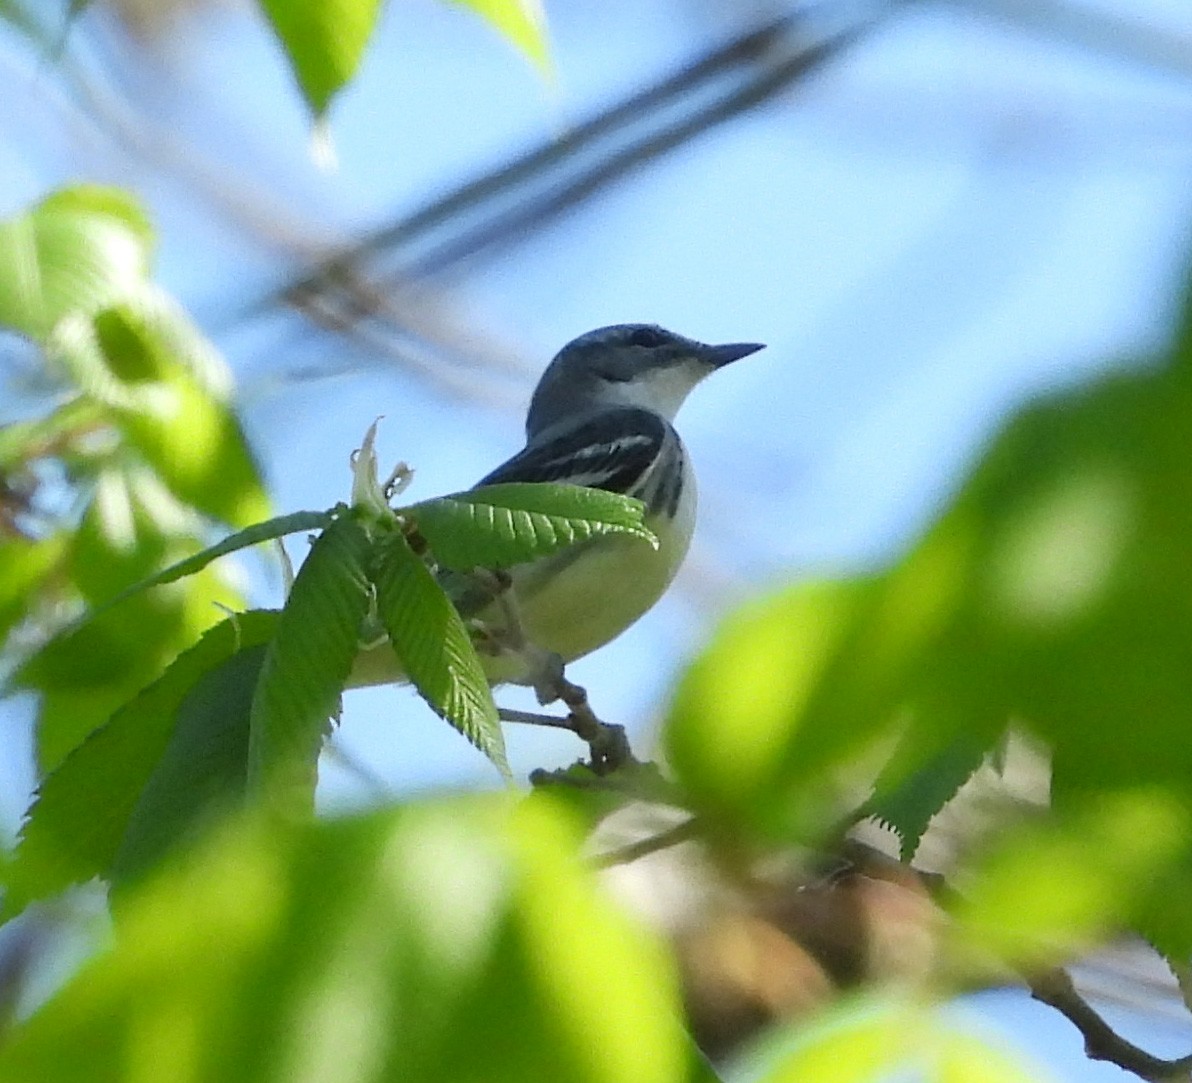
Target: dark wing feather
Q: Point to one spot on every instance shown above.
(612, 450)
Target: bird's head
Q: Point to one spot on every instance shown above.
(627, 364)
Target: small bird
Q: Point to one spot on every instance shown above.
(601, 416)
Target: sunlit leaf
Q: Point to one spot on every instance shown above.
(80, 816)
(87, 673)
(323, 42)
(204, 769)
(27, 564)
(277, 527)
(446, 941)
(307, 665)
(79, 250)
(870, 1041)
(523, 22)
(738, 734)
(166, 390)
(1051, 889)
(434, 647)
(499, 525)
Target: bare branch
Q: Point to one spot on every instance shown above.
(651, 844)
(1101, 1042)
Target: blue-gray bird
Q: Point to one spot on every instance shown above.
(601, 416)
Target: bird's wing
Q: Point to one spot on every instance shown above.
(612, 450)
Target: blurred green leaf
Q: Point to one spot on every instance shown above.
(323, 42)
(443, 942)
(307, 665)
(79, 250)
(27, 564)
(130, 527)
(88, 672)
(967, 1058)
(75, 826)
(434, 647)
(523, 22)
(748, 733)
(1051, 889)
(277, 527)
(874, 1040)
(1054, 592)
(23, 441)
(121, 536)
(167, 389)
(499, 525)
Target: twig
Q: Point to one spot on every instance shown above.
(651, 844)
(533, 718)
(1101, 1042)
(608, 746)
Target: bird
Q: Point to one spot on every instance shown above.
(602, 416)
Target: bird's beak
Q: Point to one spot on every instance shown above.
(717, 356)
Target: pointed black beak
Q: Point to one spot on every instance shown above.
(717, 356)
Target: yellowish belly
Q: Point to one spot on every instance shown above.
(576, 601)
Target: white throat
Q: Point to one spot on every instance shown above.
(661, 390)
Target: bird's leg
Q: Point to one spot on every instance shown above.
(608, 745)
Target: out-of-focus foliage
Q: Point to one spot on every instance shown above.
(862, 1041)
(465, 938)
(325, 42)
(1054, 593)
(143, 433)
(449, 940)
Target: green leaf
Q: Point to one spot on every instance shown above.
(445, 941)
(79, 250)
(789, 691)
(89, 669)
(523, 22)
(1049, 890)
(915, 784)
(204, 769)
(166, 389)
(323, 42)
(21, 442)
(124, 532)
(307, 665)
(277, 527)
(75, 826)
(499, 525)
(87, 673)
(434, 647)
(27, 565)
(863, 1041)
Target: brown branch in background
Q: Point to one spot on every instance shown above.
(1101, 1042)
(833, 920)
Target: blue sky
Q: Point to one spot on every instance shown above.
(955, 215)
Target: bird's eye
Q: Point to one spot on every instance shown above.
(647, 336)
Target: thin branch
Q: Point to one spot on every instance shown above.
(651, 844)
(533, 718)
(608, 746)
(1101, 1042)
(501, 206)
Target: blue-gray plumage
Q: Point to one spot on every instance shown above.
(601, 416)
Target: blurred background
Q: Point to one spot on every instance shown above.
(928, 211)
